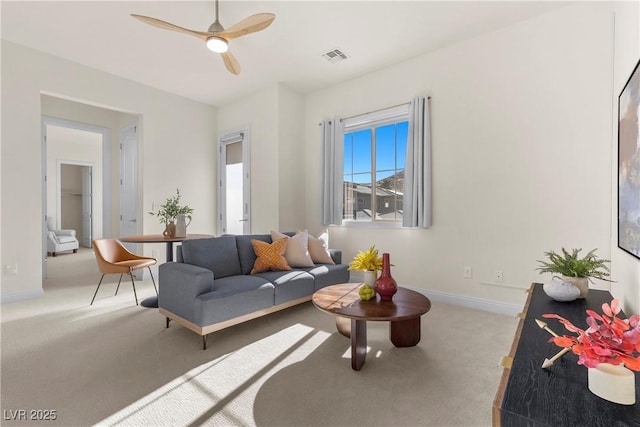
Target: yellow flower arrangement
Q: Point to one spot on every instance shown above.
(368, 260)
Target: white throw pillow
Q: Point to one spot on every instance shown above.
(319, 247)
(297, 253)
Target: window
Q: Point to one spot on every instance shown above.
(375, 151)
(376, 168)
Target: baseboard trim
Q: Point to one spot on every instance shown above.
(20, 296)
(471, 302)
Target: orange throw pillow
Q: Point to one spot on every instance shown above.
(270, 256)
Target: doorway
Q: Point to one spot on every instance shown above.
(235, 183)
(75, 185)
(75, 193)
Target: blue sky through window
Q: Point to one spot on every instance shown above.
(391, 150)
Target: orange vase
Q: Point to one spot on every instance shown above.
(386, 285)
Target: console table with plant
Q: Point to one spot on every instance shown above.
(558, 395)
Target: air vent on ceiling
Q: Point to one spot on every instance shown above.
(335, 55)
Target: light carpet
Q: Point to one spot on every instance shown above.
(115, 363)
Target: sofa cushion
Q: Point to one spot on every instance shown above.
(218, 254)
(238, 284)
(297, 253)
(328, 274)
(269, 256)
(289, 285)
(66, 239)
(319, 247)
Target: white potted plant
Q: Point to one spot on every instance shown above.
(574, 269)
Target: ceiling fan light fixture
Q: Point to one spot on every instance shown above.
(217, 44)
(217, 38)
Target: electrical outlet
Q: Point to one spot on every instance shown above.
(467, 272)
(11, 269)
(498, 276)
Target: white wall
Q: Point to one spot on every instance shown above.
(291, 150)
(624, 268)
(521, 126)
(176, 149)
(274, 117)
(258, 113)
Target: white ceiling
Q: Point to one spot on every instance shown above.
(375, 34)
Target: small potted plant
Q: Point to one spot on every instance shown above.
(369, 262)
(609, 348)
(169, 212)
(574, 269)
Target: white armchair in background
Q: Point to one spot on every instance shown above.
(61, 240)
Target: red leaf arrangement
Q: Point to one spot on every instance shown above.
(608, 339)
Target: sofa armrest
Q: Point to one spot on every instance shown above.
(336, 255)
(53, 238)
(178, 286)
(66, 232)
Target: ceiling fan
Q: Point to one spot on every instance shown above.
(216, 37)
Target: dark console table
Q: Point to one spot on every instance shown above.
(529, 395)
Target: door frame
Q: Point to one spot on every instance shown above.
(59, 189)
(242, 135)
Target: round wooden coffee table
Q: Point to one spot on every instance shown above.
(402, 312)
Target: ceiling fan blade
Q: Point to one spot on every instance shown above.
(169, 26)
(231, 63)
(249, 25)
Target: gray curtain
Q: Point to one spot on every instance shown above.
(332, 165)
(417, 182)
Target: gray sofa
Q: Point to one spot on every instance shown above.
(210, 286)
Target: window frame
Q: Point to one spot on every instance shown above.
(371, 121)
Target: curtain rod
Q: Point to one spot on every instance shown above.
(373, 111)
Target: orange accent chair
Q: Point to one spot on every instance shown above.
(113, 258)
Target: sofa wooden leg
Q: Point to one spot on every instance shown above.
(204, 342)
(168, 320)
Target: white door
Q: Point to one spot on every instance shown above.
(129, 184)
(87, 203)
(235, 184)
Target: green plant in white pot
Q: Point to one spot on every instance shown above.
(169, 212)
(574, 269)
